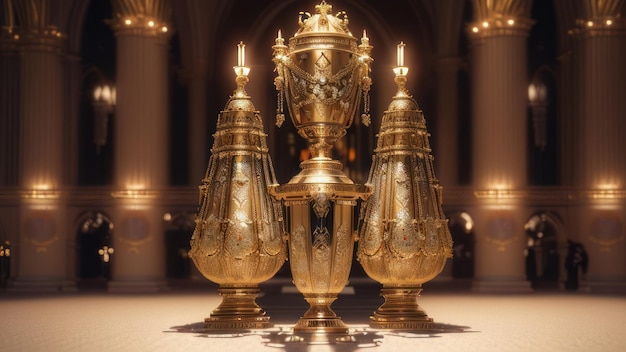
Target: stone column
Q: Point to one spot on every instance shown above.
(446, 150)
(499, 138)
(9, 107)
(447, 119)
(141, 151)
(599, 47)
(42, 248)
(73, 68)
(198, 148)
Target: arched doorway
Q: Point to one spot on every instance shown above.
(177, 243)
(94, 250)
(542, 252)
(462, 230)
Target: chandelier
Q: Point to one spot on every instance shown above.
(248, 224)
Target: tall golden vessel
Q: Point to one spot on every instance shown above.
(322, 73)
(404, 239)
(238, 241)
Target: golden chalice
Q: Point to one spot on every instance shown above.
(322, 74)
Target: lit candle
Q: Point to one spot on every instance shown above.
(401, 54)
(241, 54)
(280, 35)
(365, 35)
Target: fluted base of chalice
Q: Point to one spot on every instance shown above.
(400, 310)
(320, 324)
(238, 310)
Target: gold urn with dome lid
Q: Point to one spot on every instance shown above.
(404, 238)
(238, 241)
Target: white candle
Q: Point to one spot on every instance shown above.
(241, 54)
(280, 35)
(401, 54)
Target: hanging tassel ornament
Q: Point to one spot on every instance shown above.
(280, 56)
(365, 116)
(280, 116)
(365, 49)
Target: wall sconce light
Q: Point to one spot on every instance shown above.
(538, 99)
(103, 106)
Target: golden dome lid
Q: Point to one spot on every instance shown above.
(403, 109)
(239, 110)
(323, 25)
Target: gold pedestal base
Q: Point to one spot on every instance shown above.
(238, 310)
(400, 310)
(320, 319)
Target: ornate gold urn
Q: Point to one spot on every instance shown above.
(404, 239)
(238, 241)
(322, 73)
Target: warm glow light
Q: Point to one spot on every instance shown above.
(163, 29)
(485, 24)
(351, 155)
(241, 71)
(167, 217)
(400, 54)
(607, 186)
(499, 191)
(475, 29)
(42, 191)
(151, 23)
(104, 94)
(97, 93)
(401, 71)
(241, 54)
(469, 223)
(135, 187)
(590, 24)
(106, 252)
(511, 22)
(609, 22)
(128, 22)
(532, 92)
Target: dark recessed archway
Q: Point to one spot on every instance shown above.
(94, 251)
(542, 252)
(461, 227)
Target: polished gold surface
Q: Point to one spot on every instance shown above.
(238, 241)
(321, 73)
(404, 239)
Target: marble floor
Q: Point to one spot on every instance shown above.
(172, 321)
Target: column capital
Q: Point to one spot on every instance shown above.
(9, 39)
(148, 18)
(48, 39)
(500, 26)
(140, 25)
(599, 27)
